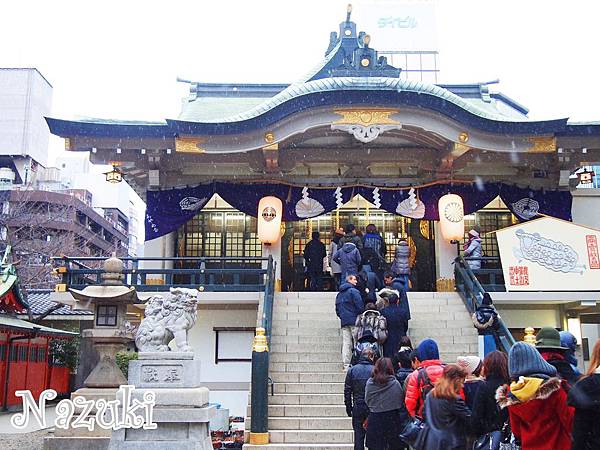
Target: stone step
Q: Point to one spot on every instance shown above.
(308, 377)
(306, 399)
(317, 324)
(316, 367)
(307, 423)
(305, 348)
(299, 447)
(308, 388)
(317, 356)
(328, 332)
(304, 411)
(311, 436)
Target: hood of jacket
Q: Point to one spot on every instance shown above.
(525, 390)
(348, 247)
(346, 286)
(380, 388)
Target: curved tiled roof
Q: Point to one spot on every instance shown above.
(363, 84)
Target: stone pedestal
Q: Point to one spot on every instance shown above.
(181, 412)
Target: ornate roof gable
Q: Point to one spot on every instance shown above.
(349, 55)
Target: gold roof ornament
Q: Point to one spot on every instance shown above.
(529, 337)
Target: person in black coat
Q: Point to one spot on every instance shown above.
(547, 341)
(585, 398)
(487, 416)
(354, 395)
(446, 414)
(397, 321)
(314, 253)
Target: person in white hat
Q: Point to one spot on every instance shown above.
(472, 249)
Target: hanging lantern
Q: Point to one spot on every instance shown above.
(270, 211)
(114, 176)
(452, 220)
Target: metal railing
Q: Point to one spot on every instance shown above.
(471, 291)
(225, 274)
(259, 403)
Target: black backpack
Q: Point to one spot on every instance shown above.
(425, 386)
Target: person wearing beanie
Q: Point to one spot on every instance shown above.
(537, 406)
(568, 340)
(548, 344)
(422, 380)
(472, 365)
(472, 249)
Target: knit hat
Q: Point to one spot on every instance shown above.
(548, 338)
(525, 360)
(474, 233)
(469, 363)
(568, 340)
(428, 349)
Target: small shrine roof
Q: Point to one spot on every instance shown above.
(19, 325)
(39, 302)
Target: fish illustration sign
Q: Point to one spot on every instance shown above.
(550, 254)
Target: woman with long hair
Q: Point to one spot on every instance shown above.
(585, 398)
(487, 415)
(387, 413)
(446, 414)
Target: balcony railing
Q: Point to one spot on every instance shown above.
(224, 274)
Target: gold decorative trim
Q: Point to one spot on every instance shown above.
(67, 144)
(463, 137)
(546, 144)
(269, 137)
(529, 336)
(259, 344)
(366, 117)
(425, 229)
(445, 285)
(188, 145)
(259, 438)
(274, 146)
(60, 288)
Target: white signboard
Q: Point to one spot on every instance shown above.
(550, 254)
(397, 25)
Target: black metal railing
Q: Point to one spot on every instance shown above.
(230, 274)
(490, 273)
(471, 291)
(259, 403)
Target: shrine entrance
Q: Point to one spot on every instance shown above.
(392, 227)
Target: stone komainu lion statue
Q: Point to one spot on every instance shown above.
(166, 318)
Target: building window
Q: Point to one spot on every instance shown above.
(106, 315)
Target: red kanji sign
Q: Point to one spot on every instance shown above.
(518, 275)
(592, 249)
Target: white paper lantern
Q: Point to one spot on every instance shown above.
(452, 217)
(270, 210)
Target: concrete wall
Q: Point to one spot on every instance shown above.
(537, 318)
(228, 381)
(25, 98)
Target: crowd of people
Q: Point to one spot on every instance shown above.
(400, 397)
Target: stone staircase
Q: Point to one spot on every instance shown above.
(307, 409)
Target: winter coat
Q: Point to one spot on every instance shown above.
(401, 375)
(398, 285)
(563, 368)
(354, 386)
(335, 267)
(314, 253)
(541, 420)
(486, 414)
(353, 238)
(401, 264)
(371, 259)
(396, 328)
(585, 398)
(446, 420)
(485, 319)
(382, 398)
(373, 322)
(376, 242)
(348, 257)
(372, 284)
(348, 305)
(470, 389)
(413, 400)
(474, 250)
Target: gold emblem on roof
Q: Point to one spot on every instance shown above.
(542, 144)
(188, 145)
(366, 117)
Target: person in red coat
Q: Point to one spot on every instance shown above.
(537, 404)
(422, 380)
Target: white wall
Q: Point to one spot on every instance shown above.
(445, 252)
(537, 318)
(228, 381)
(25, 98)
(586, 207)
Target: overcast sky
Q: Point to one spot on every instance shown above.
(121, 58)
